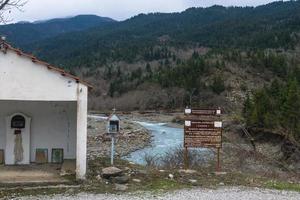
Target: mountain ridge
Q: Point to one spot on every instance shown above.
(39, 30)
(203, 56)
(275, 25)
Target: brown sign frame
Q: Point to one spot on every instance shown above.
(203, 128)
(199, 131)
(203, 112)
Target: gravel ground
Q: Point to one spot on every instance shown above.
(238, 193)
(132, 137)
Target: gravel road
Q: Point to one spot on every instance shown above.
(238, 193)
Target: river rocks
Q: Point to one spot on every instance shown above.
(220, 173)
(187, 171)
(98, 177)
(114, 175)
(121, 179)
(127, 169)
(142, 172)
(111, 172)
(120, 187)
(136, 180)
(131, 138)
(193, 181)
(171, 176)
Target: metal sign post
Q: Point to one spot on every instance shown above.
(112, 149)
(113, 128)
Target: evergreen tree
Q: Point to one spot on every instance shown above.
(247, 109)
(218, 85)
(291, 109)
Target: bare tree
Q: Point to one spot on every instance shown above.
(7, 5)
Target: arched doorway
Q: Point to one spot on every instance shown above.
(17, 151)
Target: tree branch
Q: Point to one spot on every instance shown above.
(8, 5)
(3, 3)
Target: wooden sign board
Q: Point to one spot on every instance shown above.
(209, 112)
(201, 131)
(202, 124)
(202, 137)
(202, 128)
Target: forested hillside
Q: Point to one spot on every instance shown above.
(214, 56)
(275, 25)
(23, 33)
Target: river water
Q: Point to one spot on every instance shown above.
(164, 139)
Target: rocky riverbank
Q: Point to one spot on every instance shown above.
(237, 153)
(131, 138)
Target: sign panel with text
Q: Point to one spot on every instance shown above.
(203, 128)
(202, 132)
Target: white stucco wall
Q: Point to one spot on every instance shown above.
(11, 137)
(82, 105)
(56, 104)
(53, 125)
(26, 80)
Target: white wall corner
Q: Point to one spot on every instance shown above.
(81, 150)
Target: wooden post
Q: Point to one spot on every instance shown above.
(218, 168)
(186, 158)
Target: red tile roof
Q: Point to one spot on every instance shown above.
(4, 45)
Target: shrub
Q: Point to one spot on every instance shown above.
(174, 159)
(151, 160)
(218, 85)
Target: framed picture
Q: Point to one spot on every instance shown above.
(57, 156)
(41, 156)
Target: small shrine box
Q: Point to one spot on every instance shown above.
(113, 124)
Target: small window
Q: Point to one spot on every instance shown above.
(18, 121)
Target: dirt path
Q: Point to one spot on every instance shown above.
(194, 194)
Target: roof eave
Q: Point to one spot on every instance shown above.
(6, 46)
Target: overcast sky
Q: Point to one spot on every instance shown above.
(116, 9)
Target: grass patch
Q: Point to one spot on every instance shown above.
(283, 186)
(155, 180)
(164, 184)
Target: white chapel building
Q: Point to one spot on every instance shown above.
(43, 112)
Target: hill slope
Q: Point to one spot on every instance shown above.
(274, 25)
(202, 56)
(24, 33)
